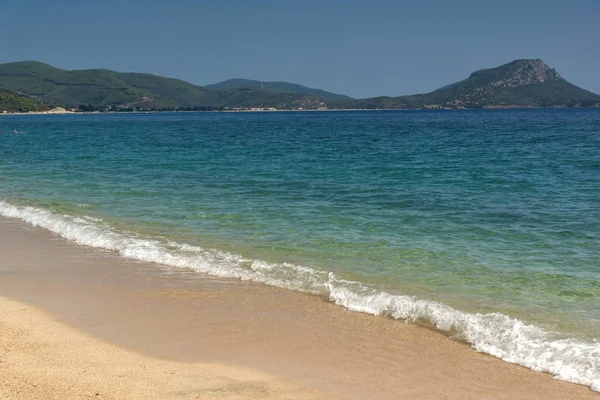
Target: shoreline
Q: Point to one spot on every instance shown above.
(54, 111)
(304, 110)
(183, 316)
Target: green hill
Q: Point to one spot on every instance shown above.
(521, 83)
(30, 85)
(277, 87)
(13, 102)
(100, 87)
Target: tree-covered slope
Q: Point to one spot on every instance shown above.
(100, 86)
(278, 87)
(521, 83)
(248, 97)
(13, 102)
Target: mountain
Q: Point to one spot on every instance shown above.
(14, 102)
(521, 83)
(277, 87)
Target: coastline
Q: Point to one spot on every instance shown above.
(54, 111)
(509, 107)
(185, 317)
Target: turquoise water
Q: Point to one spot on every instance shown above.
(484, 223)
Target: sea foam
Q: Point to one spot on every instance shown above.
(510, 339)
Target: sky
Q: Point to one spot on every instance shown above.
(357, 48)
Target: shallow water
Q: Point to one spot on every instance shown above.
(485, 223)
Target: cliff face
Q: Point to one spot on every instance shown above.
(519, 73)
(520, 83)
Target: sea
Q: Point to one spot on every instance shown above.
(483, 224)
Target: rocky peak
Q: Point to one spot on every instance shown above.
(520, 73)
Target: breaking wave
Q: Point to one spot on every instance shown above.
(510, 339)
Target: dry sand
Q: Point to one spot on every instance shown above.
(43, 359)
(143, 321)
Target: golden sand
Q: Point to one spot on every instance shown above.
(116, 329)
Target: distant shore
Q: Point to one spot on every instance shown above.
(62, 111)
(54, 111)
(151, 332)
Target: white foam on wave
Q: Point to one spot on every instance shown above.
(508, 338)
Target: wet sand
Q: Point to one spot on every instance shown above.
(129, 317)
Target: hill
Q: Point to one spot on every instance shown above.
(105, 88)
(99, 87)
(277, 87)
(13, 102)
(521, 83)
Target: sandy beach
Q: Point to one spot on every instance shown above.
(44, 359)
(78, 322)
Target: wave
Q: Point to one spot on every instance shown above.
(510, 339)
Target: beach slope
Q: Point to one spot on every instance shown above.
(115, 328)
(41, 358)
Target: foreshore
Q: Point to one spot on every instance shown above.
(65, 112)
(78, 322)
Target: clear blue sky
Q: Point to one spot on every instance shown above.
(357, 48)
